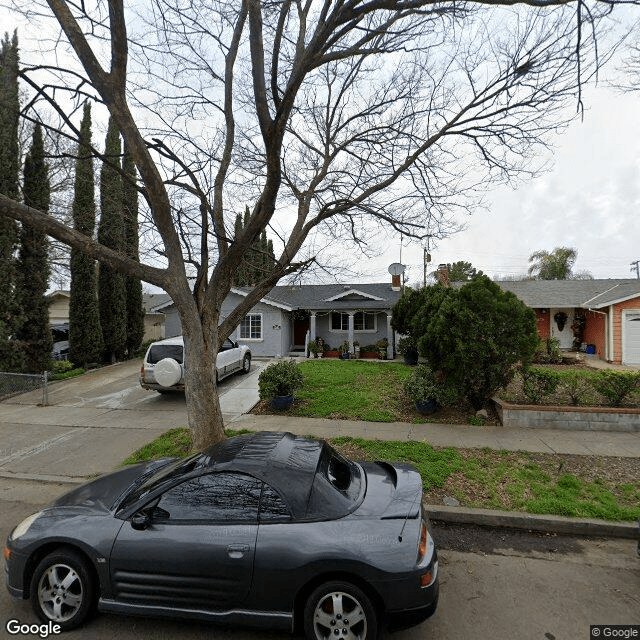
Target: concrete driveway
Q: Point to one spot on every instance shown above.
(96, 420)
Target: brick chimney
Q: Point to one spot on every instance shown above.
(442, 275)
(395, 282)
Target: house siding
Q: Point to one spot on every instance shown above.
(595, 332)
(275, 328)
(633, 304)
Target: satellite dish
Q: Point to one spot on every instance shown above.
(396, 269)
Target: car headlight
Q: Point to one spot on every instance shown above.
(23, 527)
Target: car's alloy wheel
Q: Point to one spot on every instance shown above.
(339, 610)
(62, 590)
(246, 364)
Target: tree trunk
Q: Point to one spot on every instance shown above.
(201, 391)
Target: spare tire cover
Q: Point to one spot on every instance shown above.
(168, 372)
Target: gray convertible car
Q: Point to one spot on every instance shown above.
(267, 529)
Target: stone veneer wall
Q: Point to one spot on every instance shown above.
(572, 418)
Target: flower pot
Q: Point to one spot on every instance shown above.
(345, 356)
(425, 407)
(411, 357)
(281, 403)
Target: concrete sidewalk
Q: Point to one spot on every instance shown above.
(600, 443)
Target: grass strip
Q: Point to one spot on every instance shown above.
(480, 478)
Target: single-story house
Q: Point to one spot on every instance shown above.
(286, 319)
(59, 315)
(602, 313)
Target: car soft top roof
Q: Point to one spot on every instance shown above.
(283, 460)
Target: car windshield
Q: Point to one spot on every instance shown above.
(337, 487)
(160, 477)
(158, 352)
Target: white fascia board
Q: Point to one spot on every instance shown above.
(266, 301)
(350, 292)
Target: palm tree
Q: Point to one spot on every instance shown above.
(557, 265)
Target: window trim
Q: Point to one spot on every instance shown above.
(239, 331)
(359, 331)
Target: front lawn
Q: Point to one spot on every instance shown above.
(567, 485)
(361, 390)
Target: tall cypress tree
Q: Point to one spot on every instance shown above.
(111, 290)
(85, 335)
(11, 355)
(33, 265)
(133, 286)
(258, 261)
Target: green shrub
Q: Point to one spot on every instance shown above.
(72, 373)
(538, 383)
(477, 334)
(423, 384)
(576, 385)
(280, 379)
(548, 351)
(615, 386)
(61, 366)
(407, 345)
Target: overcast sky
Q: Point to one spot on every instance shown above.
(590, 200)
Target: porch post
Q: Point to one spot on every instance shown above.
(351, 349)
(389, 339)
(312, 326)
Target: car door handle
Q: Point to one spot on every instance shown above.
(237, 550)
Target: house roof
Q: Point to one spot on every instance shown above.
(333, 297)
(320, 297)
(589, 294)
(153, 302)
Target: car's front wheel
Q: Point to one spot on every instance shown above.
(339, 610)
(246, 363)
(62, 589)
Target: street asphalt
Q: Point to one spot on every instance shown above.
(95, 421)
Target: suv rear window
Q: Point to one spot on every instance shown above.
(158, 352)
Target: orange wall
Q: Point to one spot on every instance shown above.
(542, 320)
(594, 331)
(617, 326)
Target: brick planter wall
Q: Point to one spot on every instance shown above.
(573, 418)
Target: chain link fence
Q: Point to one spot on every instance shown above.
(13, 384)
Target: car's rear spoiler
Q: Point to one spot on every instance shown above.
(406, 499)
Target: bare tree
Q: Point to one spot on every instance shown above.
(333, 117)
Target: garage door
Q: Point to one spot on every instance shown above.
(631, 354)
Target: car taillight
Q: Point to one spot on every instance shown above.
(422, 547)
(142, 371)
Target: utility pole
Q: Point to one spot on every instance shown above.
(635, 266)
(427, 258)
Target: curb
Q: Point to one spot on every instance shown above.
(533, 522)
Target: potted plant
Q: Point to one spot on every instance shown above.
(356, 348)
(345, 350)
(408, 348)
(278, 382)
(427, 391)
(382, 348)
(322, 346)
(314, 348)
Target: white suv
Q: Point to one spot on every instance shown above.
(163, 365)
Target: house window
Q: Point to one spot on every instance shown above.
(339, 321)
(364, 321)
(251, 327)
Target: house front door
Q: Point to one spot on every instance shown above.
(300, 328)
(564, 334)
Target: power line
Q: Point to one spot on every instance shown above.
(636, 266)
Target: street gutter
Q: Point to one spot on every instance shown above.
(533, 522)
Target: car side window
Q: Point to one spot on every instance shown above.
(215, 496)
(272, 506)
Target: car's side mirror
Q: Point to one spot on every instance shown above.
(140, 521)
